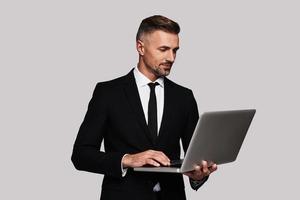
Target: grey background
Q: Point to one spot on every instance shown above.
(234, 54)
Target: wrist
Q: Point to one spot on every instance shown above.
(126, 161)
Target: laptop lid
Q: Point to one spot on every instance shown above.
(218, 137)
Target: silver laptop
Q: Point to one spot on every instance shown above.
(218, 137)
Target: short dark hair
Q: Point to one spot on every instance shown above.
(157, 22)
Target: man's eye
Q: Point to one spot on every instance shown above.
(163, 50)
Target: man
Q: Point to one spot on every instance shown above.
(141, 117)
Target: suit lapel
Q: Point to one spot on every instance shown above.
(133, 97)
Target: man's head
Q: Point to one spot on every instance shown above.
(157, 42)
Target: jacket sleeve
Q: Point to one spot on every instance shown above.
(86, 150)
(192, 119)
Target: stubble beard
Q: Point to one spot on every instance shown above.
(159, 72)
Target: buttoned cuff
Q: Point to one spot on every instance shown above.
(124, 171)
(197, 184)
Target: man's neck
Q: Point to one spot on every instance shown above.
(147, 73)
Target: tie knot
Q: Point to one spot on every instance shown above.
(153, 85)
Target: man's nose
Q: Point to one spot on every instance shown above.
(171, 56)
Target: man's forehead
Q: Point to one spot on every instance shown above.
(160, 34)
(162, 38)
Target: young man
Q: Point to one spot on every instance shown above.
(141, 117)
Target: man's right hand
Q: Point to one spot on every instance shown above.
(149, 157)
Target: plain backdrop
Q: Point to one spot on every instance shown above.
(233, 54)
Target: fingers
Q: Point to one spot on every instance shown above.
(202, 170)
(156, 158)
(205, 168)
(152, 162)
(150, 157)
(213, 168)
(208, 167)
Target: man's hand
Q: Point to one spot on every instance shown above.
(201, 171)
(149, 157)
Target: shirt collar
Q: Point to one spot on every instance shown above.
(142, 80)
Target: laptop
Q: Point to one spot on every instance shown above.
(218, 137)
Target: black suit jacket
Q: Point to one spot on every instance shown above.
(115, 115)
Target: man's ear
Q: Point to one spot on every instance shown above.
(140, 47)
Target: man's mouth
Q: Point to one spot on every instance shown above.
(167, 65)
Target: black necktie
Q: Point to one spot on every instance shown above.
(152, 111)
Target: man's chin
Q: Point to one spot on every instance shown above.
(162, 72)
(167, 72)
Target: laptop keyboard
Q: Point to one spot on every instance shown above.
(176, 163)
(173, 163)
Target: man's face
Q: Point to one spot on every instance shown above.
(158, 52)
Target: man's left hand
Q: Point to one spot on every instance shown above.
(201, 171)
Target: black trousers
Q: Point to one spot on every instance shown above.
(158, 196)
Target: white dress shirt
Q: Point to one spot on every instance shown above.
(144, 92)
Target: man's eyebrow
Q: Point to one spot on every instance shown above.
(164, 47)
(167, 47)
